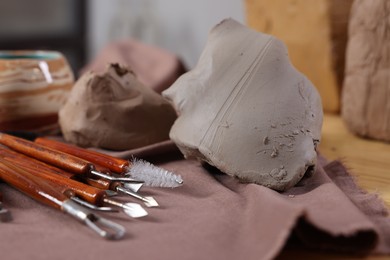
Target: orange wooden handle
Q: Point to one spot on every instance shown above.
(88, 193)
(64, 185)
(33, 163)
(38, 165)
(62, 160)
(114, 164)
(54, 176)
(31, 185)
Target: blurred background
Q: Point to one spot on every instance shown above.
(81, 28)
(315, 31)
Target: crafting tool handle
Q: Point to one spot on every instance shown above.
(41, 191)
(88, 193)
(114, 164)
(61, 183)
(32, 163)
(31, 185)
(35, 164)
(60, 159)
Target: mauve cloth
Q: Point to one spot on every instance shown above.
(212, 216)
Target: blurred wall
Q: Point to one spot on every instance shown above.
(177, 25)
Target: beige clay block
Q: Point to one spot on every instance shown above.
(246, 110)
(113, 110)
(315, 32)
(366, 93)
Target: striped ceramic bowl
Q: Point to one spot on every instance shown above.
(33, 87)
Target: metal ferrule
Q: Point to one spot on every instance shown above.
(92, 206)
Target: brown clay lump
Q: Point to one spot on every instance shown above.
(113, 110)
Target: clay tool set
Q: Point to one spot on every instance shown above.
(42, 191)
(57, 158)
(76, 181)
(82, 193)
(138, 169)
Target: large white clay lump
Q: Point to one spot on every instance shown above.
(246, 110)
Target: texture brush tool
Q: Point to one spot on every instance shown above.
(35, 165)
(40, 190)
(59, 159)
(85, 195)
(141, 170)
(5, 215)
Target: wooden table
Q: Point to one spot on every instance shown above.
(368, 161)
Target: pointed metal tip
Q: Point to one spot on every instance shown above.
(134, 210)
(150, 202)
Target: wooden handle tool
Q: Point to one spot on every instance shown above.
(43, 191)
(114, 164)
(138, 169)
(69, 187)
(57, 158)
(34, 164)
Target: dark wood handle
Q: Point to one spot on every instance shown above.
(34, 164)
(60, 159)
(98, 183)
(114, 164)
(62, 184)
(31, 185)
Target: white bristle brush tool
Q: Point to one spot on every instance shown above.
(152, 175)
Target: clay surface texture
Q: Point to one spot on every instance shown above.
(113, 110)
(366, 92)
(246, 110)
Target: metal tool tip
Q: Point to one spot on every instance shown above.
(134, 210)
(150, 202)
(135, 187)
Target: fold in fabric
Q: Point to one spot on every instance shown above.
(212, 216)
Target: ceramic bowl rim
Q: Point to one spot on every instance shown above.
(29, 55)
